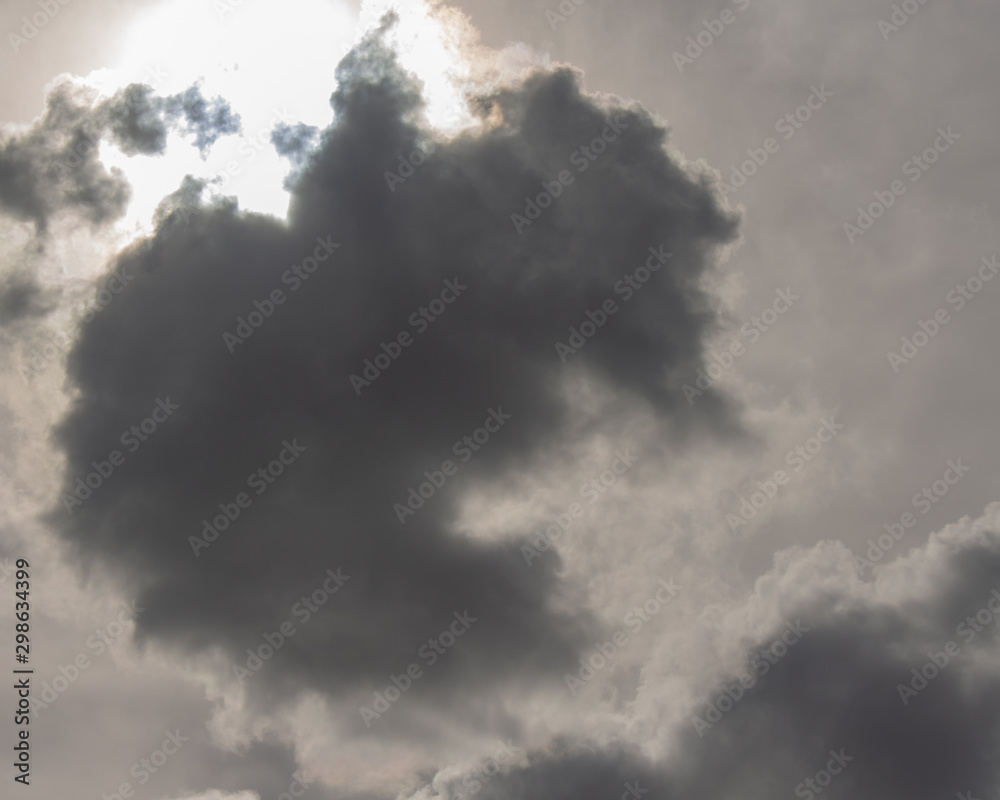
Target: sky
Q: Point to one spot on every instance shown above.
(422, 400)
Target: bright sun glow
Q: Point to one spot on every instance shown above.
(431, 51)
(271, 66)
(262, 58)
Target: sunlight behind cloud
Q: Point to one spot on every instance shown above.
(436, 48)
(253, 54)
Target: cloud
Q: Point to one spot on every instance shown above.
(487, 355)
(570, 769)
(53, 165)
(294, 141)
(242, 340)
(896, 677)
(21, 298)
(839, 687)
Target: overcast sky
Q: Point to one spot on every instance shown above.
(501, 398)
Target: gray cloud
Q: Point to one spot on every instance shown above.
(836, 689)
(843, 688)
(294, 141)
(206, 121)
(21, 298)
(53, 165)
(288, 380)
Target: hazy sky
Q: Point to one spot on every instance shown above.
(503, 399)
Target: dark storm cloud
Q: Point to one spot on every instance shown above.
(839, 688)
(838, 714)
(836, 690)
(384, 255)
(53, 165)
